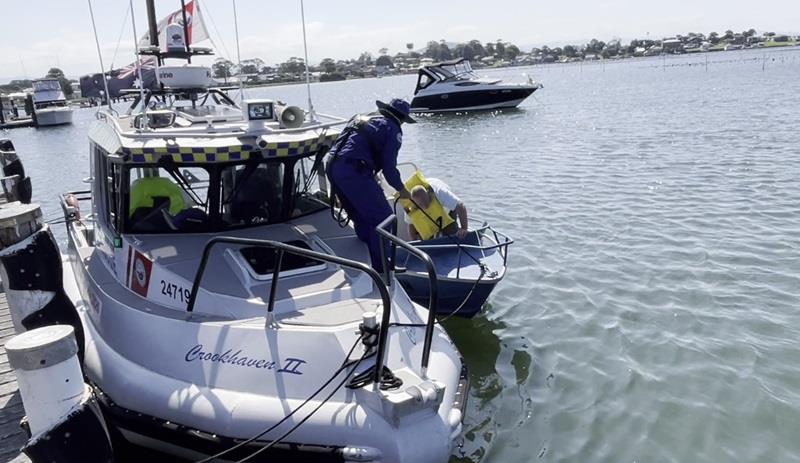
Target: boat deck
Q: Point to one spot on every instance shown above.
(12, 437)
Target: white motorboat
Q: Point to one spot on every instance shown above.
(50, 106)
(225, 312)
(454, 86)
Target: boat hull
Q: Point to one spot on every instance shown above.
(467, 270)
(472, 100)
(197, 418)
(53, 116)
(459, 298)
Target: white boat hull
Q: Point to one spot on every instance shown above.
(54, 116)
(140, 379)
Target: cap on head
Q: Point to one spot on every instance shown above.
(398, 108)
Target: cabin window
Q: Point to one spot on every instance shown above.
(103, 185)
(253, 193)
(167, 199)
(424, 81)
(306, 180)
(113, 172)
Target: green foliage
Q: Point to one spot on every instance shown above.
(384, 60)
(222, 68)
(66, 85)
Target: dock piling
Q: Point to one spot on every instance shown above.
(64, 420)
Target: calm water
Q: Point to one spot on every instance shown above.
(651, 309)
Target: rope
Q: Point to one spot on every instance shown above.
(320, 389)
(469, 294)
(307, 417)
(119, 39)
(214, 24)
(388, 380)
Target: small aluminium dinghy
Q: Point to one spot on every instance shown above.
(467, 269)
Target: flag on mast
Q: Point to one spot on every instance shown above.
(197, 27)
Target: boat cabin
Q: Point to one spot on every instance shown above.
(48, 93)
(167, 176)
(454, 70)
(186, 190)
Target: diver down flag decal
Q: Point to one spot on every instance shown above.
(139, 270)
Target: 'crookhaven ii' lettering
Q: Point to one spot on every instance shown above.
(229, 357)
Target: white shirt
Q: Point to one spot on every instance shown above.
(446, 197)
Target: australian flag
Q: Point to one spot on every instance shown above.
(126, 77)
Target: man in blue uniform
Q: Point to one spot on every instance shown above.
(368, 145)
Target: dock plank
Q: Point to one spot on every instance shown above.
(12, 437)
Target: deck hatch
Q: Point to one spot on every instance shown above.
(262, 261)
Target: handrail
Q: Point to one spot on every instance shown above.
(501, 240)
(433, 302)
(282, 248)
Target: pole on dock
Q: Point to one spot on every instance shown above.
(32, 273)
(64, 421)
(16, 186)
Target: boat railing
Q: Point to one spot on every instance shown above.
(282, 248)
(501, 243)
(386, 231)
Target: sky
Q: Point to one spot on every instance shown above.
(36, 35)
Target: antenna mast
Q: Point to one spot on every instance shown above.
(100, 56)
(311, 113)
(238, 52)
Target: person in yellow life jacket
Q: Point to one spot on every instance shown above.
(441, 206)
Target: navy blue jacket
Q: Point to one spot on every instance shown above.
(377, 143)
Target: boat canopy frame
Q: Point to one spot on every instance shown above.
(454, 70)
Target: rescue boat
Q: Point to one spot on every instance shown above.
(226, 315)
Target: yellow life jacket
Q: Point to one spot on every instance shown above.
(145, 189)
(434, 218)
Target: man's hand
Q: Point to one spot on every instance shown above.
(461, 233)
(404, 194)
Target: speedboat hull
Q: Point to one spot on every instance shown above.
(472, 100)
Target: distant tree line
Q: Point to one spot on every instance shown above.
(19, 85)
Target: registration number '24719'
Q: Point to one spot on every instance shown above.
(174, 291)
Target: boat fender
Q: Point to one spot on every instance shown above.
(33, 279)
(429, 221)
(64, 422)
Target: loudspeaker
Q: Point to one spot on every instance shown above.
(289, 117)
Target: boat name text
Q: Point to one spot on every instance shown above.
(290, 365)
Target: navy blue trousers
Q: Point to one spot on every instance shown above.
(363, 200)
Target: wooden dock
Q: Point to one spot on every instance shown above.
(17, 123)
(12, 437)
